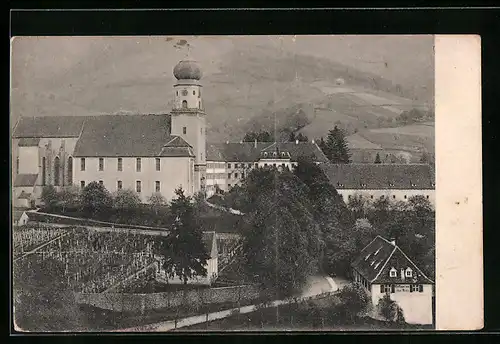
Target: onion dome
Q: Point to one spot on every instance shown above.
(187, 70)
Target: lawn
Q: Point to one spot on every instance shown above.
(314, 315)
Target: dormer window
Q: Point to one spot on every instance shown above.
(391, 184)
(393, 273)
(283, 154)
(408, 272)
(265, 154)
(274, 153)
(363, 185)
(368, 256)
(376, 265)
(378, 250)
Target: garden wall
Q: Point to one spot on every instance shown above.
(192, 299)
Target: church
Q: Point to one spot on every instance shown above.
(149, 154)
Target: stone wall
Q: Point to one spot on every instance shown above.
(193, 299)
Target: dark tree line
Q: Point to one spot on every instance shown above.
(335, 147)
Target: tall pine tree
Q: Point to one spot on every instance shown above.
(183, 250)
(377, 159)
(336, 148)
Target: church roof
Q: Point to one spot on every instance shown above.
(249, 151)
(380, 176)
(25, 180)
(49, 126)
(130, 136)
(380, 256)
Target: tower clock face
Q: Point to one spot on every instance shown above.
(184, 92)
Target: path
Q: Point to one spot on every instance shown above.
(41, 246)
(317, 286)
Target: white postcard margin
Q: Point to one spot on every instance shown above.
(459, 240)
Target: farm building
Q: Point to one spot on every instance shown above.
(19, 218)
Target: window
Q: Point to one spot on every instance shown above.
(70, 170)
(199, 104)
(201, 131)
(157, 186)
(274, 165)
(228, 165)
(44, 172)
(408, 272)
(393, 196)
(393, 273)
(158, 166)
(427, 196)
(176, 93)
(371, 196)
(382, 197)
(119, 185)
(101, 183)
(256, 165)
(82, 184)
(229, 185)
(101, 164)
(349, 197)
(405, 197)
(417, 288)
(194, 92)
(82, 164)
(138, 186)
(199, 93)
(201, 156)
(184, 130)
(17, 165)
(229, 176)
(184, 104)
(57, 167)
(119, 166)
(138, 165)
(236, 175)
(265, 165)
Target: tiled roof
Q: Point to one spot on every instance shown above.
(49, 126)
(249, 152)
(25, 179)
(29, 142)
(380, 176)
(129, 135)
(379, 257)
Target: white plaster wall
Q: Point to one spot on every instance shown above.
(392, 195)
(417, 306)
(28, 160)
(174, 172)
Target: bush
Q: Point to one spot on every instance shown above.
(353, 301)
(49, 195)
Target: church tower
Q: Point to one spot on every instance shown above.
(188, 116)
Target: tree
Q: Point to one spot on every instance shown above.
(353, 301)
(69, 197)
(126, 199)
(390, 310)
(280, 228)
(291, 138)
(357, 204)
(157, 202)
(261, 136)
(96, 199)
(184, 253)
(49, 195)
(377, 159)
(336, 148)
(302, 138)
(425, 158)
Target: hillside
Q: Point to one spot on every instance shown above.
(249, 82)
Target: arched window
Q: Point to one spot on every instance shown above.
(184, 104)
(17, 165)
(44, 171)
(194, 92)
(57, 168)
(70, 170)
(199, 104)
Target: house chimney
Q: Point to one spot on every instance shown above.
(296, 142)
(255, 143)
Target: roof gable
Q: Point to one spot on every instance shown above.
(380, 176)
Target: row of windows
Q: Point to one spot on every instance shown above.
(216, 175)
(276, 154)
(404, 288)
(363, 185)
(185, 93)
(58, 170)
(394, 273)
(119, 164)
(381, 197)
(241, 165)
(216, 165)
(119, 185)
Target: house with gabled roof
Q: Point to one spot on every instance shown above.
(383, 268)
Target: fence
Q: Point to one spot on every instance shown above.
(194, 299)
